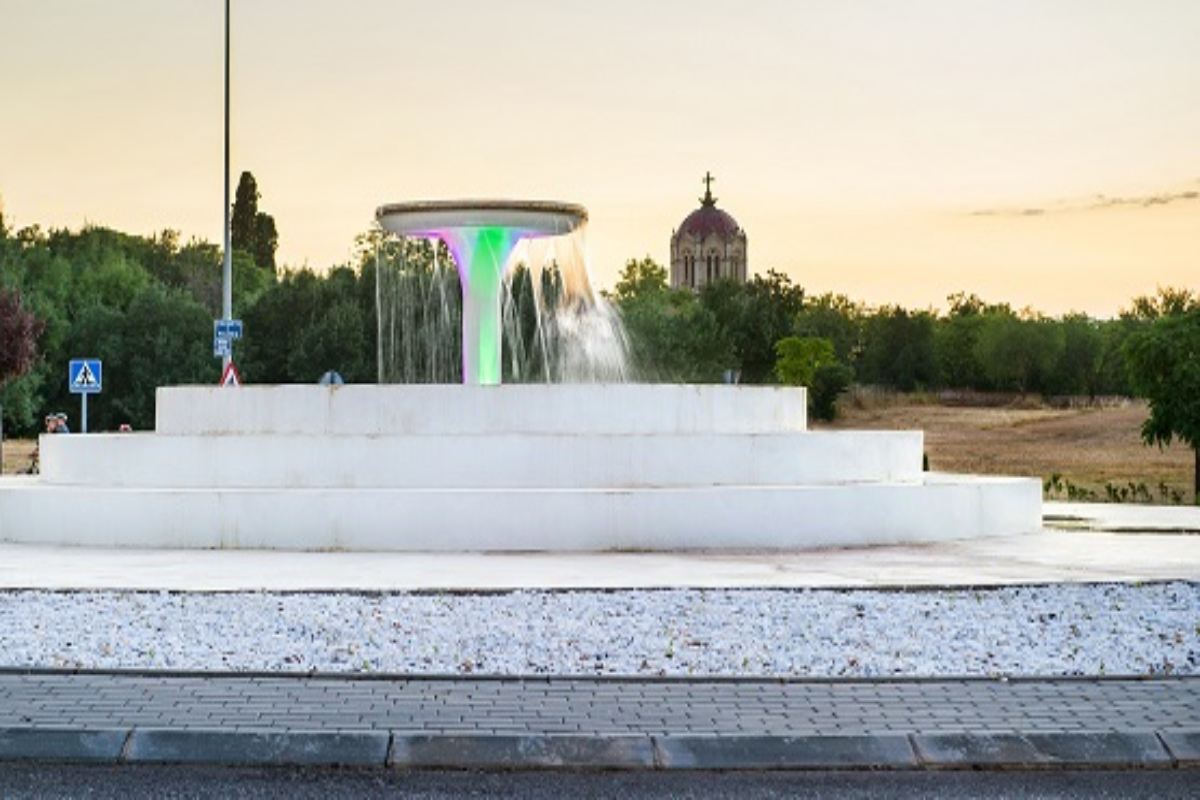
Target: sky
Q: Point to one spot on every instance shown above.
(1041, 153)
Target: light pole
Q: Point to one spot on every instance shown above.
(227, 270)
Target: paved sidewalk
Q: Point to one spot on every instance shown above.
(1052, 556)
(534, 722)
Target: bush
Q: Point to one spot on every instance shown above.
(828, 383)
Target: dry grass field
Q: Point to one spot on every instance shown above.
(17, 453)
(1087, 446)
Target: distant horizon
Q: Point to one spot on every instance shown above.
(1035, 154)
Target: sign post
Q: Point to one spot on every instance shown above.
(85, 376)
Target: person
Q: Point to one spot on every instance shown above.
(125, 427)
(62, 426)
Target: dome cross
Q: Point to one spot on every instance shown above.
(708, 198)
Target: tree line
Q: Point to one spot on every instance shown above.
(975, 345)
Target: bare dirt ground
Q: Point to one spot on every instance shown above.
(17, 453)
(1087, 446)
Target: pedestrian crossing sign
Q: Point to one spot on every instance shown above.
(85, 376)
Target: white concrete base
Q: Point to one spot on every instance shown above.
(499, 468)
(580, 461)
(735, 517)
(441, 410)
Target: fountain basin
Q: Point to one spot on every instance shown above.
(527, 219)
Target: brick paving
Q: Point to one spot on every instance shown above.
(537, 706)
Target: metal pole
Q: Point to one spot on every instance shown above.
(227, 275)
(83, 424)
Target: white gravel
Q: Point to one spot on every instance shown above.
(1044, 630)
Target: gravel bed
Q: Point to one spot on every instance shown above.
(1042, 630)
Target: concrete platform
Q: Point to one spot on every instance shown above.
(499, 468)
(1051, 557)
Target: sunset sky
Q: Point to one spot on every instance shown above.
(1046, 153)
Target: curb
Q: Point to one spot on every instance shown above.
(491, 677)
(404, 750)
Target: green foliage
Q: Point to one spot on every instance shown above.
(812, 362)
(672, 336)
(306, 324)
(898, 349)
(640, 278)
(336, 340)
(1018, 353)
(754, 316)
(1164, 362)
(828, 383)
(1078, 367)
(836, 318)
(799, 357)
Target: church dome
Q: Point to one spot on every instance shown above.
(708, 246)
(707, 220)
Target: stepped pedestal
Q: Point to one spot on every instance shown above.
(516, 467)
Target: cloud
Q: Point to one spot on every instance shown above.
(1097, 202)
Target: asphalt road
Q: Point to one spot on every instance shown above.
(127, 783)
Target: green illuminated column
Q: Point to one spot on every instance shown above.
(481, 254)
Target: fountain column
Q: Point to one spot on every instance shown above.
(481, 255)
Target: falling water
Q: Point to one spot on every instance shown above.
(556, 327)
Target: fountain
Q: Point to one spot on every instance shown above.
(481, 235)
(492, 466)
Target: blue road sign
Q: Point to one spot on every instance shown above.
(222, 347)
(228, 329)
(85, 376)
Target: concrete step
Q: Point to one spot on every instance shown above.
(566, 461)
(938, 507)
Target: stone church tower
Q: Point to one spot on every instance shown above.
(709, 245)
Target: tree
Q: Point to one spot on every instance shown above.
(243, 226)
(639, 278)
(1078, 367)
(800, 357)
(755, 316)
(1018, 353)
(834, 317)
(898, 349)
(1164, 362)
(252, 231)
(812, 362)
(19, 331)
(672, 337)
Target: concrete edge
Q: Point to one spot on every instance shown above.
(873, 752)
(414, 750)
(534, 751)
(583, 677)
(1184, 746)
(74, 744)
(257, 747)
(1074, 750)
